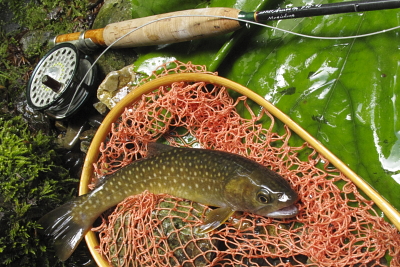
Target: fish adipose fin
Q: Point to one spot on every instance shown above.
(215, 218)
(61, 226)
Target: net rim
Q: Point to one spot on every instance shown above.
(134, 95)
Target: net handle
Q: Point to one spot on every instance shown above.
(134, 95)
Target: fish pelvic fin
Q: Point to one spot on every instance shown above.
(65, 230)
(215, 218)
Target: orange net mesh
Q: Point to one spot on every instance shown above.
(336, 225)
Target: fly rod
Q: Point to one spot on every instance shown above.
(198, 23)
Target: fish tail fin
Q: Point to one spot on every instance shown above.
(65, 230)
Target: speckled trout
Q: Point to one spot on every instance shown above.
(220, 179)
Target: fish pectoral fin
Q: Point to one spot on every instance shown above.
(215, 218)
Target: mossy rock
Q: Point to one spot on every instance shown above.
(114, 11)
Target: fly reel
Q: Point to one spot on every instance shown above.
(56, 87)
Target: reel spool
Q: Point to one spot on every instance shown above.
(53, 86)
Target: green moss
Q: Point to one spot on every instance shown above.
(45, 16)
(31, 184)
(58, 16)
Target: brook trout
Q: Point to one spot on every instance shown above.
(215, 178)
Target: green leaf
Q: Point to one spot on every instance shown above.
(345, 92)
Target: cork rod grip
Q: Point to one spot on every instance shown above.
(95, 35)
(172, 30)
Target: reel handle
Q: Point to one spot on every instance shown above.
(166, 31)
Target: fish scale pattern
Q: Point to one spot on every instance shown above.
(336, 225)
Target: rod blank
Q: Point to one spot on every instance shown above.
(325, 9)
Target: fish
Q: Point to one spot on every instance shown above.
(227, 181)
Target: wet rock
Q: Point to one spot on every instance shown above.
(87, 135)
(84, 146)
(37, 121)
(95, 120)
(55, 13)
(61, 126)
(116, 86)
(76, 126)
(6, 19)
(73, 162)
(86, 138)
(34, 39)
(101, 108)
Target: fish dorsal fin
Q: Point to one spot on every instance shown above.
(157, 148)
(215, 218)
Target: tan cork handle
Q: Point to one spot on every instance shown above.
(171, 30)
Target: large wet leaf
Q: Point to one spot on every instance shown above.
(344, 92)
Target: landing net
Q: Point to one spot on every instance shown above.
(336, 225)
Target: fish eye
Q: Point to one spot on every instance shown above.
(263, 198)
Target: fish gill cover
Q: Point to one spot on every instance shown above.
(336, 224)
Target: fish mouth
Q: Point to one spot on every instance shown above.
(286, 212)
